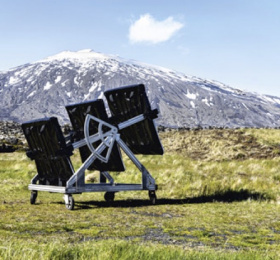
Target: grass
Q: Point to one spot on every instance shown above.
(212, 203)
(119, 250)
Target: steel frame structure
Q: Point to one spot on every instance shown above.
(106, 136)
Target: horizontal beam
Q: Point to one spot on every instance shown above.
(91, 188)
(49, 188)
(131, 121)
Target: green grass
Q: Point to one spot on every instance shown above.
(119, 250)
(212, 203)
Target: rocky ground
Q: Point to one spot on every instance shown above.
(11, 136)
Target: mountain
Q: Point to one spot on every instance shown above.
(43, 88)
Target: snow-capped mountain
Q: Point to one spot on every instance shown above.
(43, 88)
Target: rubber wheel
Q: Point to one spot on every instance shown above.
(33, 197)
(71, 203)
(152, 196)
(109, 196)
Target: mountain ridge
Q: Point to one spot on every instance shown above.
(43, 88)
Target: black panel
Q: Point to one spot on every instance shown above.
(48, 149)
(77, 114)
(126, 103)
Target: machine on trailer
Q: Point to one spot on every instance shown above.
(99, 138)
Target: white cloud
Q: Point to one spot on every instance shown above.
(148, 30)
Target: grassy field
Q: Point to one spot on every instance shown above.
(218, 198)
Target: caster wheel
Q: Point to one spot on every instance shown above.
(70, 203)
(33, 197)
(109, 196)
(152, 196)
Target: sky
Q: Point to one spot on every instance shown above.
(236, 42)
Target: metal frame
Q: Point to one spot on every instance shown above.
(76, 184)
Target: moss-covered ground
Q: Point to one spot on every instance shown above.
(218, 198)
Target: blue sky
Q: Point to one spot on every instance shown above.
(236, 42)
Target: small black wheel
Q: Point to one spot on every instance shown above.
(33, 197)
(70, 203)
(152, 196)
(109, 196)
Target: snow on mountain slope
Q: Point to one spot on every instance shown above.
(43, 88)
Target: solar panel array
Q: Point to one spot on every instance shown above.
(77, 114)
(49, 150)
(52, 155)
(126, 103)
